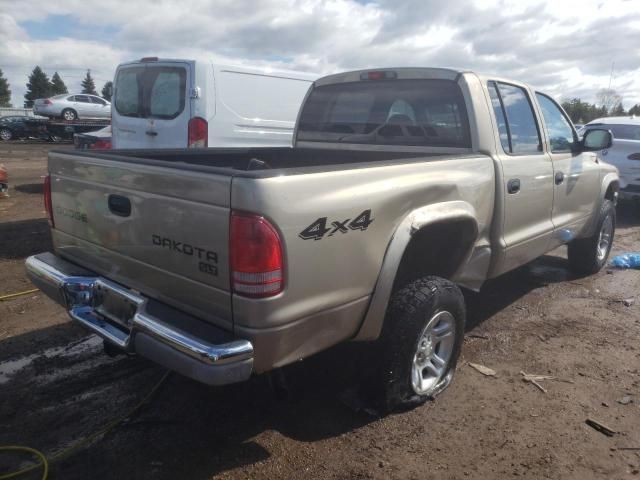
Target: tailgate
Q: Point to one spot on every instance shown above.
(162, 231)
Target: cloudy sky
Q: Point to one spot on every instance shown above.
(566, 47)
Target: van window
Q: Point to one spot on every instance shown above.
(151, 92)
(263, 97)
(387, 112)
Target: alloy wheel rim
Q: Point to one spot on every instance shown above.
(604, 239)
(69, 115)
(433, 353)
(5, 134)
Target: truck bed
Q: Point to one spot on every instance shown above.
(266, 161)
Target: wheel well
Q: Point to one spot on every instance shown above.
(612, 189)
(437, 249)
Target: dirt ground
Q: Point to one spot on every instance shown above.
(57, 386)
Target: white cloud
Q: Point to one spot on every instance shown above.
(564, 47)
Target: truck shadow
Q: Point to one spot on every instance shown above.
(498, 293)
(628, 214)
(32, 188)
(22, 238)
(61, 388)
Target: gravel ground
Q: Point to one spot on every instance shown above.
(57, 386)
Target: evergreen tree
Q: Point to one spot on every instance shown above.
(88, 85)
(617, 111)
(57, 85)
(107, 90)
(635, 110)
(5, 93)
(38, 86)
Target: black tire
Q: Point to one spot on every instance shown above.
(69, 114)
(409, 313)
(586, 255)
(6, 134)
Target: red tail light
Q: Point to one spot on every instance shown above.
(198, 133)
(100, 145)
(47, 101)
(256, 256)
(634, 156)
(47, 200)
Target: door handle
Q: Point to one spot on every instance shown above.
(513, 185)
(559, 178)
(151, 133)
(119, 205)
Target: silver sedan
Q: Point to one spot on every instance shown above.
(71, 107)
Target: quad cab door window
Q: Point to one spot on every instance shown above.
(527, 177)
(576, 173)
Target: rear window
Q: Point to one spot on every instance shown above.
(387, 112)
(151, 92)
(622, 132)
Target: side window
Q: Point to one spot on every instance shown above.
(521, 127)
(97, 100)
(83, 99)
(500, 119)
(559, 130)
(72, 98)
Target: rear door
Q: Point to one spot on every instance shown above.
(151, 106)
(576, 173)
(527, 174)
(83, 106)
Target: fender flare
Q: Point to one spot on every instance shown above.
(413, 222)
(609, 179)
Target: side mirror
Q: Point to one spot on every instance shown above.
(597, 139)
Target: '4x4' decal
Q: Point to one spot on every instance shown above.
(318, 229)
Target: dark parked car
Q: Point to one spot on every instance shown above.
(98, 140)
(21, 126)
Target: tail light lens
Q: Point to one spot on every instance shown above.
(47, 102)
(100, 145)
(198, 133)
(48, 206)
(256, 256)
(634, 156)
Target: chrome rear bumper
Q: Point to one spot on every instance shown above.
(123, 318)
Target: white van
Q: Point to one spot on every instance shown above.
(162, 103)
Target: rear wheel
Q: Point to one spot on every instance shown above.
(69, 114)
(420, 342)
(5, 134)
(588, 255)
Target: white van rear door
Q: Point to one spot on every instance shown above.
(151, 105)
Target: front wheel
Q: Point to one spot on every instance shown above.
(5, 134)
(588, 255)
(420, 342)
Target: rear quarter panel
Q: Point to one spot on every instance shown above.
(344, 266)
